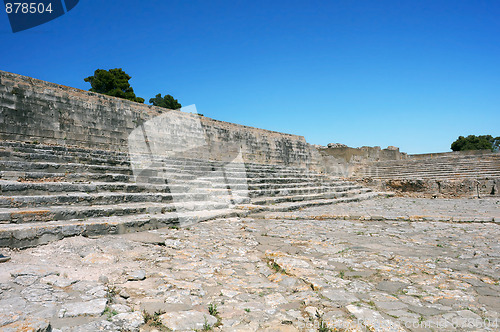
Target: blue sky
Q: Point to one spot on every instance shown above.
(414, 74)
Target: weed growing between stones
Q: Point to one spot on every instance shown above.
(275, 266)
(110, 313)
(322, 326)
(154, 320)
(343, 251)
(111, 293)
(212, 310)
(206, 326)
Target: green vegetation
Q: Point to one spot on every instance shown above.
(111, 292)
(110, 313)
(206, 326)
(113, 82)
(275, 266)
(322, 326)
(167, 102)
(154, 320)
(473, 142)
(212, 309)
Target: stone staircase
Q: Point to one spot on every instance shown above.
(440, 168)
(50, 192)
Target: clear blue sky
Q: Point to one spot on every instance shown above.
(414, 74)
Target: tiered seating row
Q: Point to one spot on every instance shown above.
(48, 192)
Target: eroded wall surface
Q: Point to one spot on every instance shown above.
(448, 174)
(345, 161)
(32, 110)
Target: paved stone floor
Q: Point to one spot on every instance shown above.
(256, 274)
(403, 208)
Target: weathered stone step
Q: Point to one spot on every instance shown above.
(43, 182)
(447, 175)
(308, 197)
(30, 188)
(431, 164)
(14, 188)
(59, 158)
(284, 185)
(81, 151)
(439, 178)
(27, 166)
(307, 176)
(88, 157)
(78, 168)
(447, 168)
(217, 182)
(53, 213)
(292, 205)
(441, 160)
(33, 234)
(30, 152)
(95, 199)
(300, 191)
(179, 162)
(63, 177)
(276, 180)
(442, 168)
(22, 146)
(235, 172)
(435, 172)
(83, 177)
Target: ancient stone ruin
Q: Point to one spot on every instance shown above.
(68, 160)
(448, 174)
(68, 157)
(101, 202)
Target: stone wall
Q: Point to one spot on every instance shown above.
(344, 161)
(32, 110)
(454, 154)
(448, 174)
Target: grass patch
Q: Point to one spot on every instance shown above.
(153, 320)
(206, 326)
(275, 266)
(212, 309)
(110, 313)
(343, 251)
(111, 292)
(322, 326)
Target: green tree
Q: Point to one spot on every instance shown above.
(473, 142)
(167, 102)
(113, 82)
